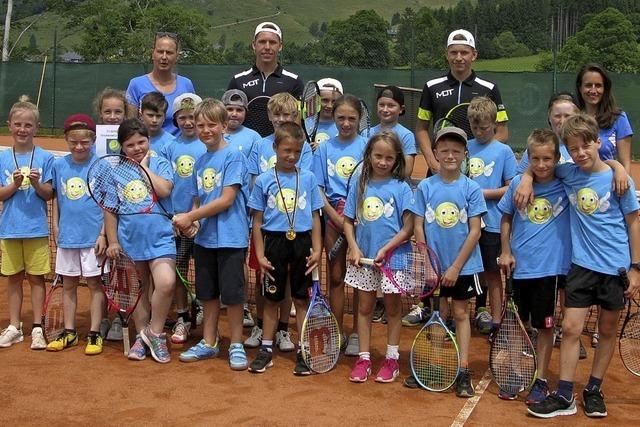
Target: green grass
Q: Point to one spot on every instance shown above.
(522, 63)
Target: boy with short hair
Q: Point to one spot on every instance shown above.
(78, 232)
(330, 90)
(605, 235)
(492, 165)
(544, 223)
(238, 135)
(153, 110)
(286, 226)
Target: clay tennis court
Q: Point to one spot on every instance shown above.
(69, 387)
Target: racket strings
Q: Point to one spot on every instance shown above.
(416, 269)
(321, 339)
(54, 315)
(118, 186)
(434, 358)
(123, 287)
(630, 344)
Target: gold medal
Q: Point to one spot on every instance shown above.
(291, 234)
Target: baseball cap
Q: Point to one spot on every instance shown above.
(454, 132)
(79, 121)
(394, 93)
(463, 37)
(268, 27)
(330, 84)
(235, 97)
(186, 101)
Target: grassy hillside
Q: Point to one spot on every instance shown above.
(522, 63)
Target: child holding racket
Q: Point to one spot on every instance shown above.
(148, 240)
(492, 165)
(78, 232)
(219, 189)
(543, 224)
(330, 90)
(447, 209)
(605, 235)
(379, 200)
(183, 154)
(239, 136)
(333, 163)
(153, 110)
(25, 189)
(286, 225)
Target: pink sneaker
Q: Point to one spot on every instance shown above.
(361, 371)
(389, 371)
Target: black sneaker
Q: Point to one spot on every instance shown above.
(301, 367)
(410, 382)
(378, 312)
(464, 388)
(593, 402)
(261, 362)
(553, 406)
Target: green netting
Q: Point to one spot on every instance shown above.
(70, 88)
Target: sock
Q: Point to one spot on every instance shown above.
(184, 315)
(94, 333)
(36, 325)
(565, 389)
(267, 345)
(365, 355)
(594, 383)
(70, 331)
(283, 326)
(392, 352)
(259, 322)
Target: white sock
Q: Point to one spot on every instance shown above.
(365, 355)
(393, 352)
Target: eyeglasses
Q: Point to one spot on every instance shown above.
(161, 34)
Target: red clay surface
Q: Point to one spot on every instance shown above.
(69, 387)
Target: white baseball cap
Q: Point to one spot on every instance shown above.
(330, 84)
(463, 37)
(268, 27)
(187, 101)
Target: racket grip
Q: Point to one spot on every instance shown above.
(367, 261)
(622, 272)
(315, 274)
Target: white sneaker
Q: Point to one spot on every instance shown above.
(292, 312)
(353, 346)
(255, 339)
(283, 341)
(11, 335)
(115, 331)
(38, 342)
(180, 331)
(247, 319)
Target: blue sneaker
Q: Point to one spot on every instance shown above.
(538, 393)
(237, 357)
(157, 344)
(200, 351)
(138, 350)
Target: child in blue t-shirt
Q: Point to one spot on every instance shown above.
(605, 237)
(447, 212)
(286, 207)
(240, 137)
(333, 163)
(149, 241)
(330, 90)
(219, 187)
(78, 232)
(390, 106)
(492, 165)
(25, 188)
(153, 110)
(378, 206)
(542, 228)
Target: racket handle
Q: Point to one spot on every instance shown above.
(622, 272)
(367, 261)
(315, 274)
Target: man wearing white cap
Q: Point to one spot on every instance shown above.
(460, 85)
(265, 78)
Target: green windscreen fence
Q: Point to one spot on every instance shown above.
(71, 88)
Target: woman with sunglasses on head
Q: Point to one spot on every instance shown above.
(162, 78)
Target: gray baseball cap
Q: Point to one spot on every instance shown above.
(454, 132)
(235, 97)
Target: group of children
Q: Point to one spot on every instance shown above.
(228, 186)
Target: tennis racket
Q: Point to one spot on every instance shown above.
(121, 186)
(320, 335)
(512, 358)
(629, 343)
(412, 268)
(184, 254)
(123, 289)
(341, 240)
(310, 108)
(257, 116)
(53, 311)
(364, 127)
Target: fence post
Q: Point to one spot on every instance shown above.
(55, 66)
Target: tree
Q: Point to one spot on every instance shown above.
(395, 19)
(7, 30)
(425, 35)
(314, 28)
(507, 46)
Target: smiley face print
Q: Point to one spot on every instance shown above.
(345, 166)
(74, 188)
(372, 208)
(587, 201)
(476, 167)
(135, 191)
(208, 179)
(289, 197)
(539, 211)
(447, 215)
(184, 166)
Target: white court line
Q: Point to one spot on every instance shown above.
(471, 403)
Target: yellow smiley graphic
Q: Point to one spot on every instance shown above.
(153, 153)
(321, 137)
(587, 201)
(135, 191)
(184, 166)
(26, 182)
(372, 208)
(75, 188)
(447, 215)
(208, 179)
(345, 166)
(539, 211)
(272, 162)
(114, 145)
(289, 197)
(476, 167)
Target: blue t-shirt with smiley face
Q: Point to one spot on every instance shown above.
(157, 143)
(183, 156)
(263, 156)
(243, 139)
(446, 208)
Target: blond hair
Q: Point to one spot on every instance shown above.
(581, 126)
(211, 109)
(543, 136)
(24, 104)
(108, 93)
(482, 109)
(282, 102)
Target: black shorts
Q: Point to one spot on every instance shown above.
(184, 253)
(587, 287)
(536, 298)
(220, 274)
(466, 287)
(562, 281)
(489, 250)
(289, 260)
